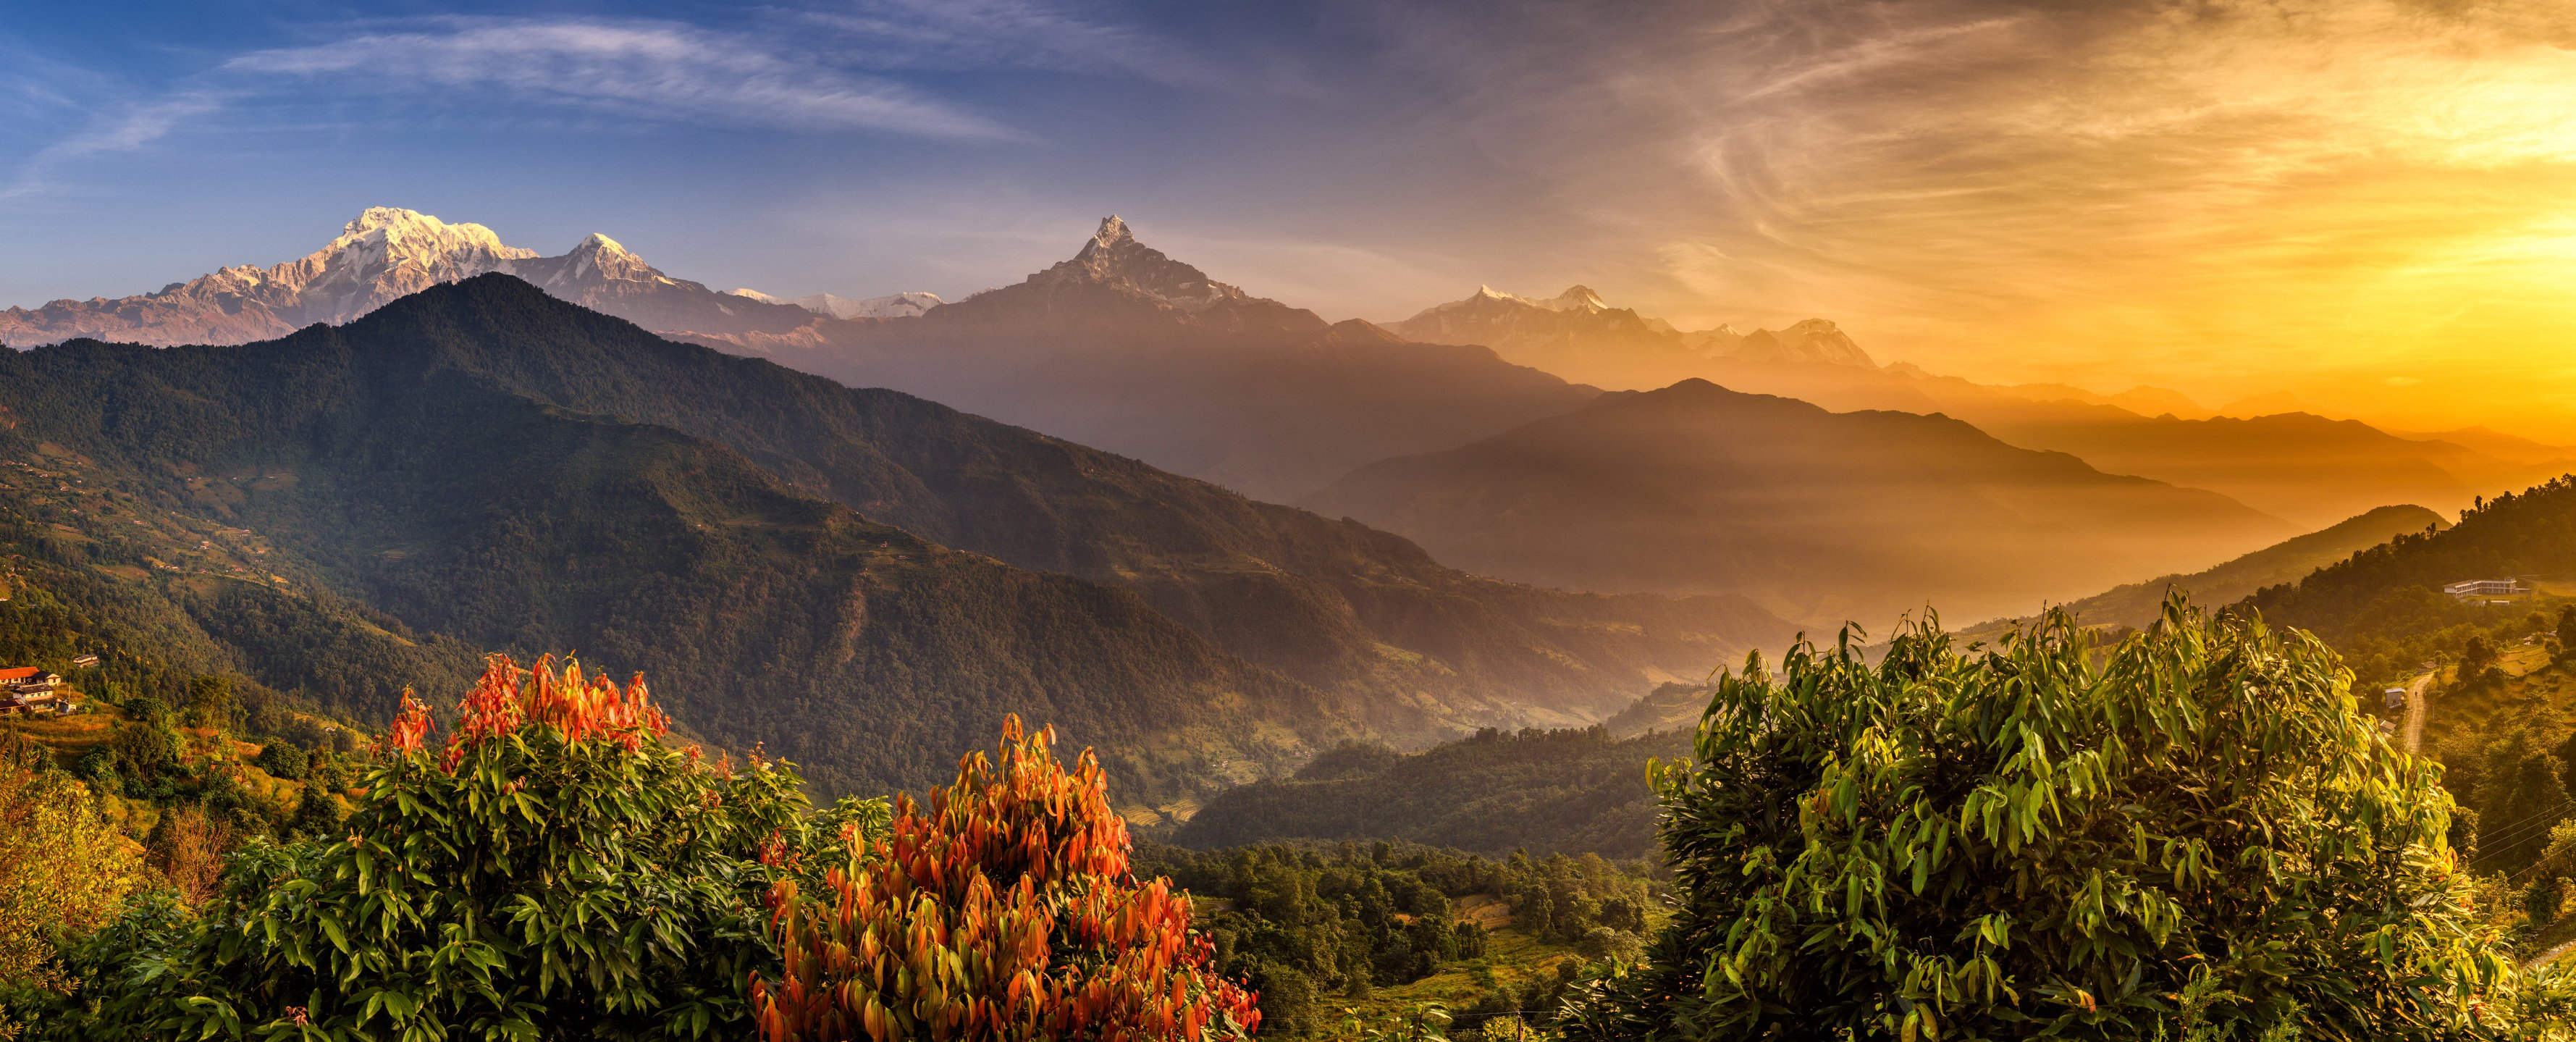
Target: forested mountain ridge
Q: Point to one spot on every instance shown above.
(772, 616)
(2383, 607)
(1333, 604)
(163, 596)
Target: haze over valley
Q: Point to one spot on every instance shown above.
(1006, 521)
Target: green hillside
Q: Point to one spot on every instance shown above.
(2383, 607)
(500, 522)
(1569, 791)
(1332, 604)
(163, 595)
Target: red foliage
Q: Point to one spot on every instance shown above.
(508, 698)
(409, 729)
(1003, 911)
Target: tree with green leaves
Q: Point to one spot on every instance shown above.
(282, 759)
(555, 869)
(2192, 833)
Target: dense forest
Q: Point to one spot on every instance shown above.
(1333, 604)
(1312, 927)
(1573, 791)
(493, 521)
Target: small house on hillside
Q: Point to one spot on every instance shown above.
(2485, 588)
(85, 661)
(2395, 697)
(28, 688)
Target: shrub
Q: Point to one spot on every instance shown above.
(187, 846)
(1606, 943)
(2194, 832)
(283, 759)
(1002, 910)
(317, 815)
(553, 868)
(63, 873)
(148, 748)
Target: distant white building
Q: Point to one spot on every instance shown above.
(2485, 588)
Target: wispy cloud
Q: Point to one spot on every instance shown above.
(775, 70)
(982, 34)
(128, 128)
(2213, 193)
(653, 71)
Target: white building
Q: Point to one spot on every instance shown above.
(2485, 588)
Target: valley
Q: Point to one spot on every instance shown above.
(1411, 740)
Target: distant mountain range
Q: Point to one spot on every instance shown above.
(1821, 516)
(1577, 336)
(899, 305)
(1128, 349)
(1124, 348)
(2306, 468)
(488, 464)
(381, 256)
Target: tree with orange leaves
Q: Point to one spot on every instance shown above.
(1003, 910)
(552, 869)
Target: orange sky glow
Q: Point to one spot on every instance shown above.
(2368, 204)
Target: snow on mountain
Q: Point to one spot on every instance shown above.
(1813, 340)
(1581, 337)
(384, 254)
(1114, 257)
(900, 305)
(1116, 281)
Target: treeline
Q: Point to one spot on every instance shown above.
(2383, 608)
(1309, 925)
(1572, 791)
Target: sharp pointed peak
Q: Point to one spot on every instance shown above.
(1580, 295)
(600, 243)
(1112, 232)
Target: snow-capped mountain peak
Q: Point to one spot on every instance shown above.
(394, 236)
(1113, 257)
(605, 256)
(897, 305)
(385, 253)
(1578, 297)
(1113, 232)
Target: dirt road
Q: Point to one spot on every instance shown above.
(2547, 957)
(2415, 710)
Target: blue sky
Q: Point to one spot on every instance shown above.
(855, 148)
(2368, 203)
